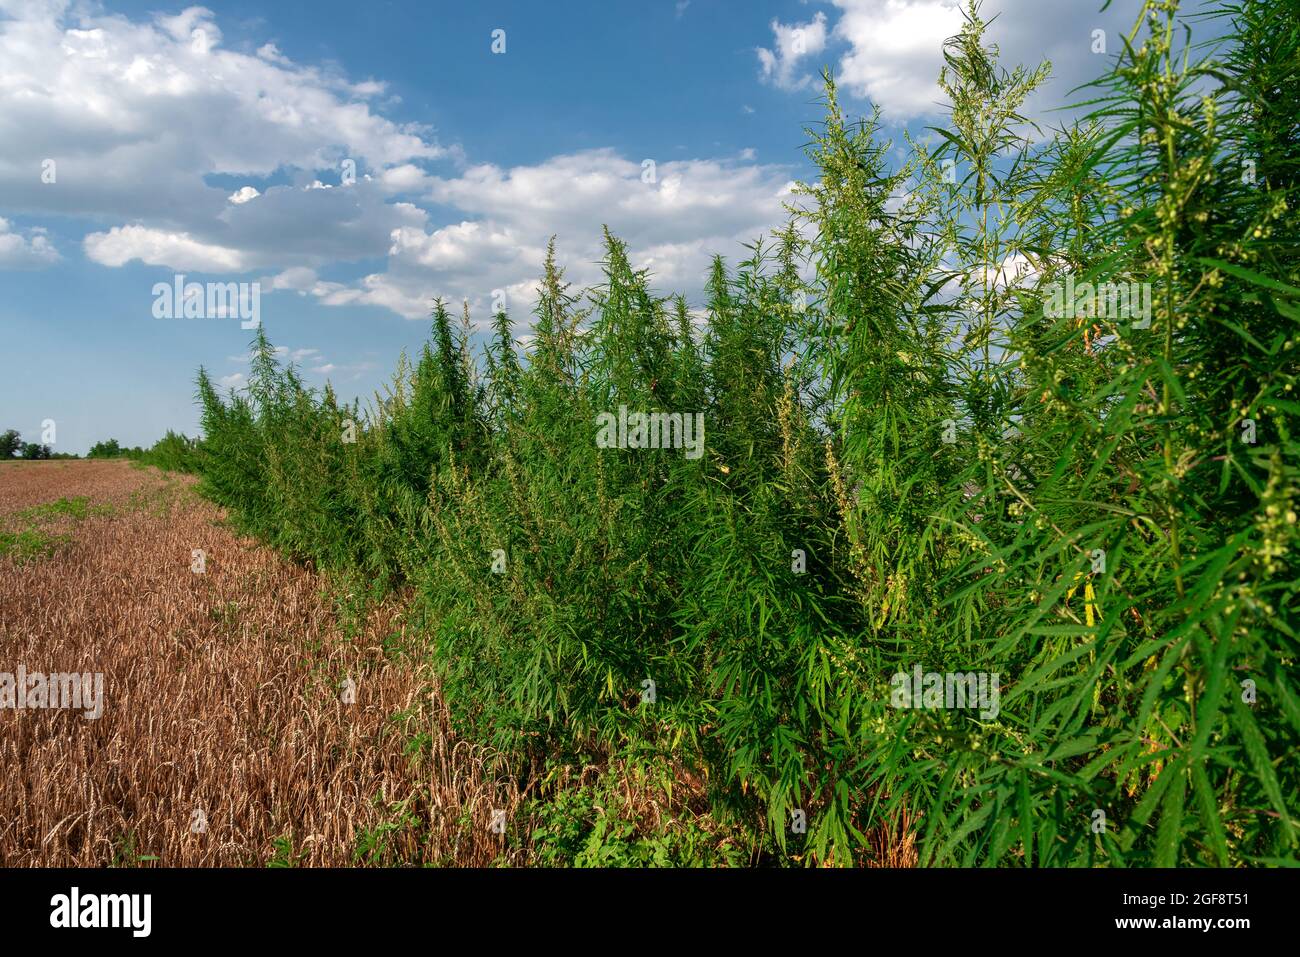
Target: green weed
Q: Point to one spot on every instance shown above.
(912, 459)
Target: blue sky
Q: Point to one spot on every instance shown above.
(211, 142)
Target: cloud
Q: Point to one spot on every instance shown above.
(1014, 271)
(791, 43)
(890, 51)
(283, 353)
(298, 279)
(138, 116)
(673, 221)
(305, 358)
(572, 192)
(32, 251)
(271, 53)
(314, 224)
(183, 154)
(407, 178)
(895, 50)
(156, 247)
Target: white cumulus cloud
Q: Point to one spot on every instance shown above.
(792, 43)
(673, 226)
(890, 51)
(181, 153)
(32, 251)
(157, 247)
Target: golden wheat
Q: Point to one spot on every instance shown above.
(222, 701)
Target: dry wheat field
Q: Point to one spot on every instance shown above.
(248, 718)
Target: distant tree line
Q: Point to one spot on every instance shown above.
(173, 451)
(12, 446)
